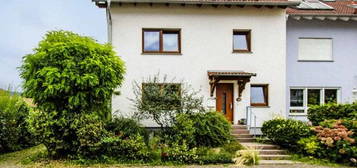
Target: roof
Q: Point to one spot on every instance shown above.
(339, 8)
(210, 2)
(230, 73)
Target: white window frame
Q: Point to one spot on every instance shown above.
(305, 99)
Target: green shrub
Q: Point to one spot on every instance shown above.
(202, 129)
(309, 145)
(89, 130)
(130, 148)
(317, 114)
(126, 127)
(14, 134)
(68, 76)
(214, 156)
(179, 152)
(232, 147)
(285, 132)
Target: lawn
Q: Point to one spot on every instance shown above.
(34, 158)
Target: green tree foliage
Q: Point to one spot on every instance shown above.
(69, 76)
(14, 134)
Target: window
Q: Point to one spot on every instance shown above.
(302, 98)
(259, 95)
(241, 41)
(166, 95)
(161, 41)
(315, 49)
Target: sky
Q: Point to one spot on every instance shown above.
(25, 22)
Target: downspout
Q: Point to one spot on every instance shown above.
(109, 21)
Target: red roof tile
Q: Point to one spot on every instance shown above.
(341, 8)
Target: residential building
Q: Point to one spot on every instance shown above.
(233, 51)
(321, 54)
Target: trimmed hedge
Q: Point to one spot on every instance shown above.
(285, 132)
(319, 113)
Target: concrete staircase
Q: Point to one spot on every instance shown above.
(269, 154)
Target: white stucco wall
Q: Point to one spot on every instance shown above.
(206, 44)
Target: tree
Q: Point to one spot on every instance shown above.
(161, 100)
(67, 76)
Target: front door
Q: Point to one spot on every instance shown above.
(224, 100)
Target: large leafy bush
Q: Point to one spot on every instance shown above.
(126, 127)
(68, 76)
(14, 134)
(285, 132)
(333, 140)
(202, 129)
(319, 113)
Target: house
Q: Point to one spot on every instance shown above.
(233, 51)
(321, 54)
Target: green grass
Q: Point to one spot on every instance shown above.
(20, 157)
(315, 161)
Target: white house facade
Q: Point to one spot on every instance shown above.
(234, 52)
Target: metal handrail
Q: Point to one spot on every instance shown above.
(249, 115)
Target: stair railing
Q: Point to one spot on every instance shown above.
(250, 115)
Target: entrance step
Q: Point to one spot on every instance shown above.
(239, 131)
(274, 157)
(245, 139)
(271, 152)
(239, 126)
(276, 162)
(260, 146)
(242, 135)
(268, 153)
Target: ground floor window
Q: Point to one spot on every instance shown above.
(301, 98)
(259, 95)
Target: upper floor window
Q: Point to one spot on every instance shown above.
(241, 41)
(259, 95)
(302, 98)
(161, 41)
(315, 49)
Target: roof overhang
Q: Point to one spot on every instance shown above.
(215, 76)
(282, 3)
(332, 17)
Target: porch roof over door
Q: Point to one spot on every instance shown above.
(240, 76)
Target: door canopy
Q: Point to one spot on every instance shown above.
(240, 76)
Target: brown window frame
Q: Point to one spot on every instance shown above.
(247, 33)
(266, 95)
(161, 43)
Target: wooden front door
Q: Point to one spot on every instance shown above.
(224, 100)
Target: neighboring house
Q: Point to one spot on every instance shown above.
(321, 54)
(234, 51)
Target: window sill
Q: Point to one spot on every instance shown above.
(315, 61)
(171, 54)
(297, 114)
(242, 52)
(255, 106)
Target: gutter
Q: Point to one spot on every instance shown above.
(196, 2)
(109, 22)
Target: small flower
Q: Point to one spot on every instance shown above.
(342, 151)
(353, 160)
